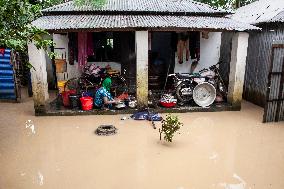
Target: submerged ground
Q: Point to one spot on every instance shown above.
(226, 150)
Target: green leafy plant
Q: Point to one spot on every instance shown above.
(227, 4)
(16, 30)
(95, 3)
(169, 127)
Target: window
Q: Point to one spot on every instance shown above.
(103, 47)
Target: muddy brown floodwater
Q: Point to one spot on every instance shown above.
(225, 150)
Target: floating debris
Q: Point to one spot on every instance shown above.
(30, 125)
(106, 130)
(40, 178)
(123, 118)
(214, 156)
(241, 185)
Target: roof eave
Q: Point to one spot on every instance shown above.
(214, 14)
(164, 29)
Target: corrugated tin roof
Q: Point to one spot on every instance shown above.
(167, 6)
(69, 22)
(278, 18)
(261, 11)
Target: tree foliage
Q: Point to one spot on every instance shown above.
(15, 22)
(46, 3)
(227, 4)
(49, 3)
(96, 3)
(15, 25)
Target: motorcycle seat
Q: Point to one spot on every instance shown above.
(187, 75)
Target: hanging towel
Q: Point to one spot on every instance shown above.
(82, 49)
(90, 44)
(72, 46)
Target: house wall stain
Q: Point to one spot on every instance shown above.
(141, 38)
(237, 68)
(37, 58)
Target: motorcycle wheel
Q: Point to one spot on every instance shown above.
(184, 92)
(204, 94)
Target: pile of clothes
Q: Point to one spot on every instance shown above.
(168, 101)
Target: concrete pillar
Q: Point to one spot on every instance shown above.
(237, 68)
(141, 42)
(37, 58)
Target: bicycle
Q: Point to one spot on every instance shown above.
(91, 82)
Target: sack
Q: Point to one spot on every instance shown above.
(146, 116)
(154, 117)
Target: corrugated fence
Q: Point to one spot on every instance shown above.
(274, 109)
(258, 62)
(7, 82)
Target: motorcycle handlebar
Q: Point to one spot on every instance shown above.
(214, 66)
(203, 70)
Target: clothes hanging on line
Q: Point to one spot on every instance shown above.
(194, 46)
(183, 44)
(73, 46)
(82, 50)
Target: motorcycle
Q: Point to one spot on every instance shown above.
(215, 78)
(208, 81)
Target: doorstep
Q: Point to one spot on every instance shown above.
(53, 110)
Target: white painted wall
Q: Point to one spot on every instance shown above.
(209, 54)
(209, 50)
(61, 41)
(185, 66)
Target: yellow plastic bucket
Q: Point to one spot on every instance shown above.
(61, 85)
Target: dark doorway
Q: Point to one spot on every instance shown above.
(161, 59)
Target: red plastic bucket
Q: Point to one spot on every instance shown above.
(87, 103)
(65, 97)
(168, 104)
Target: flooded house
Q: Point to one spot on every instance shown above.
(143, 41)
(264, 77)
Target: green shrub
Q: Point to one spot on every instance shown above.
(169, 127)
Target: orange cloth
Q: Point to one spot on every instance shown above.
(123, 96)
